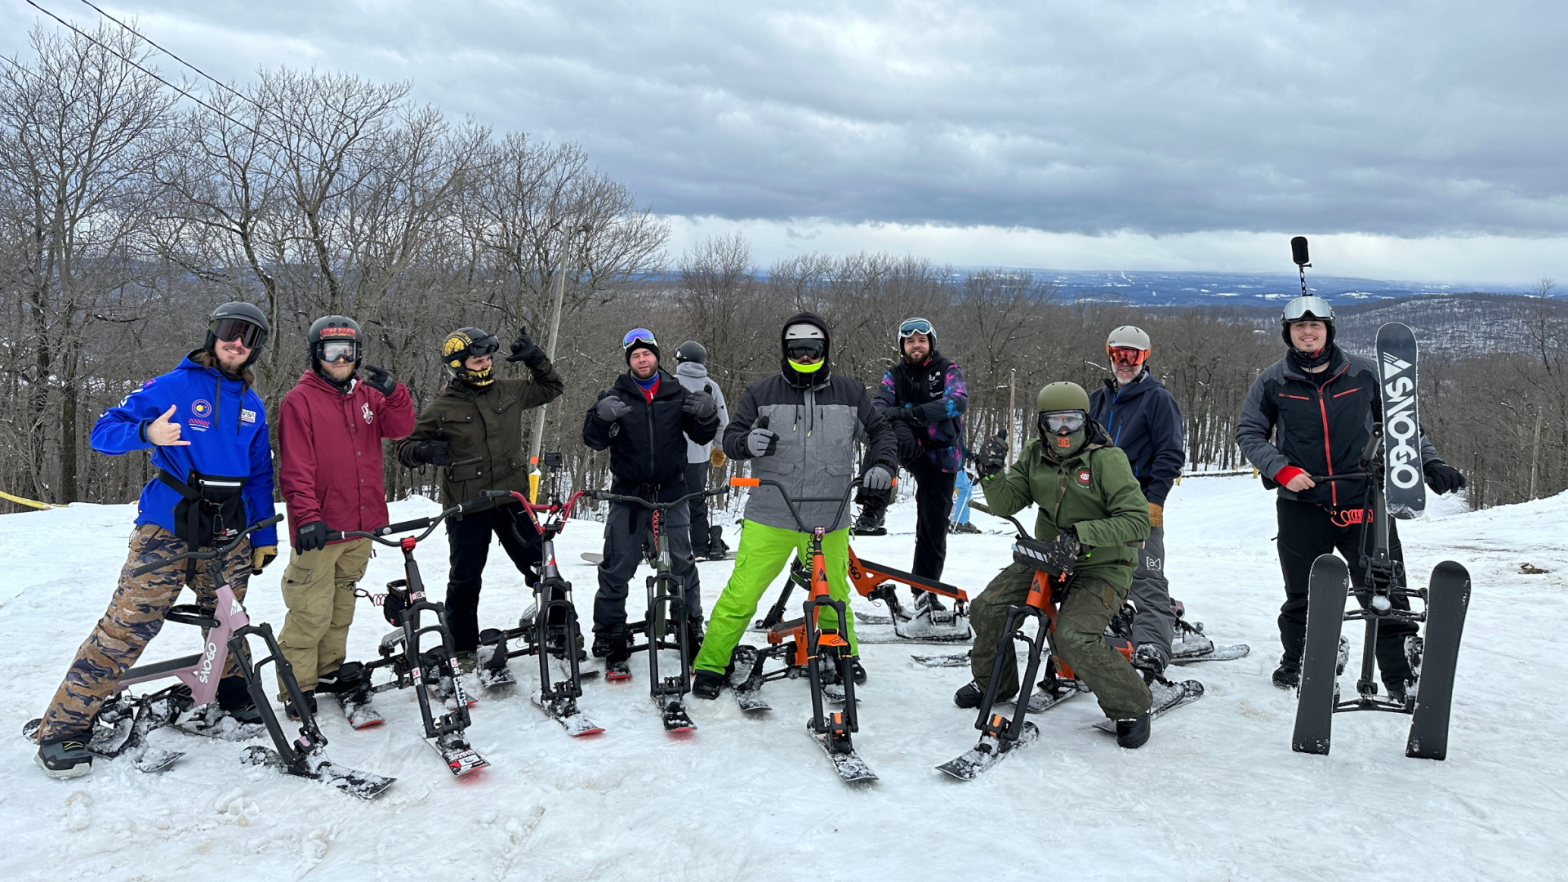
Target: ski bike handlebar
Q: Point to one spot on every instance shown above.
(606, 496)
(843, 502)
(379, 534)
(563, 509)
(211, 554)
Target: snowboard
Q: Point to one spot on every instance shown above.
(1448, 599)
(1318, 692)
(1402, 478)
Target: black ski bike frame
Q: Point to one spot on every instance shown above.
(665, 600)
(803, 643)
(410, 666)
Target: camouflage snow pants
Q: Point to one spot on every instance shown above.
(134, 617)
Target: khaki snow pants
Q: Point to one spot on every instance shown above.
(318, 589)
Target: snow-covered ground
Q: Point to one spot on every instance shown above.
(1216, 794)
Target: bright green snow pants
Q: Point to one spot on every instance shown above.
(762, 554)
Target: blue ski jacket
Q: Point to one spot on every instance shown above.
(226, 424)
(1143, 420)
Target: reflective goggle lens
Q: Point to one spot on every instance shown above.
(805, 350)
(1311, 307)
(914, 326)
(638, 335)
(231, 329)
(337, 350)
(1057, 421)
(483, 346)
(1127, 355)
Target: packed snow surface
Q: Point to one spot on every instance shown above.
(1216, 794)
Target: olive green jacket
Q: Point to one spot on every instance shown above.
(485, 430)
(1094, 492)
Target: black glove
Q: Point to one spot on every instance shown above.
(311, 537)
(700, 405)
(380, 380)
(1062, 552)
(434, 452)
(899, 414)
(525, 350)
(610, 409)
(1442, 477)
(992, 457)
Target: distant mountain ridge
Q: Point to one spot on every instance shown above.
(1239, 289)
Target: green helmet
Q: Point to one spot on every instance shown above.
(1063, 421)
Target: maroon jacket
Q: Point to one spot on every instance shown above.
(331, 451)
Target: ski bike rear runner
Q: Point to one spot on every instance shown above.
(691, 369)
(646, 421)
(1094, 517)
(1312, 413)
(1141, 417)
(473, 433)
(208, 435)
(798, 428)
(330, 427)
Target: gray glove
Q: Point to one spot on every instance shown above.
(610, 409)
(761, 442)
(876, 478)
(700, 405)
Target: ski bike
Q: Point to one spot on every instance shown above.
(124, 722)
(875, 582)
(666, 613)
(551, 641)
(1000, 734)
(807, 649)
(1433, 658)
(430, 672)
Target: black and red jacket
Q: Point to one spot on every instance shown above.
(1317, 423)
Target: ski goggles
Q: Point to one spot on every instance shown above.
(805, 350)
(244, 331)
(914, 326)
(330, 351)
(486, 345)
(636, 336)
(1055, 422)
(1309, 308)
(1127, 356)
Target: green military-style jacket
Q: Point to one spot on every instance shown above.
(1093, 491)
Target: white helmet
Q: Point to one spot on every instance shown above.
(1128, 337)
(804, 331)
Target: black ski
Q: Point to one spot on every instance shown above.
(364, 785)
(746, 680)
(1448, 598)
(1327, 588)
(972, 762)
(850, 767)
(1396, 356)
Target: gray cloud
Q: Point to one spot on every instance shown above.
(1395, 118)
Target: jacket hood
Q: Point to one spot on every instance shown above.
(691, 369)
(796, 378)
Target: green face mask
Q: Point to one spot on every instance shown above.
(807, 368)
(1060, 447)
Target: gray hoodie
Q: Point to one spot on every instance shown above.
(694, 377)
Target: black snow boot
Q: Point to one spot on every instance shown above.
(706, 684)
(66, 757)
(870, 521)
(972, 694)
(1134, 733)
(234, 700)
(310, 703)
(858, 672)
(343, 680)
(928, 601)
(1288, 674)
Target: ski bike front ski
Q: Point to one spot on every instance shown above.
(1168, 696)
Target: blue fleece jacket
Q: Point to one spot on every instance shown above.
(1143, 420)
(226, 424)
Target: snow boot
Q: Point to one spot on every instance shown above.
(928, 602)
(310, 702)
(694, 635)
(343, 680)
(972, 693)
(617, 655)
(870, 521)
(964, 528)
(717, 550)
(1288, 674)
(464, 661)
(706, 684)
(66, 757)
(858, 672)
(234, 700)
(1134, 733)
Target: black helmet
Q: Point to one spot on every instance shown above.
(238, 320)
(333, 327)
(463, 344)
(691, 351)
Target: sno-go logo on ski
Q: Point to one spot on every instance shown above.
(1399, 423)
(1084, 477)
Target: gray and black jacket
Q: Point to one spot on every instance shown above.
(1319, 423)
(817, 428)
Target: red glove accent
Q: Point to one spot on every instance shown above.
(1284, 475)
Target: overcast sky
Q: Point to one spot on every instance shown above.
(1410, 140)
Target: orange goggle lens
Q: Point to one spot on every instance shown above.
(1126, 355)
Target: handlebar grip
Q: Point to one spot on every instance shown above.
(497, 494)
(415, 524)
(275, 519)
(334, 535)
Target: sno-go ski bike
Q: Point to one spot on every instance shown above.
(122, 725)
(875, 582)
(554, 643)
(806, 649)
(667, 624)
(1433, 657)
(430, 672)
(1001, 735)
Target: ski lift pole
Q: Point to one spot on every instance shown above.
(537, 439)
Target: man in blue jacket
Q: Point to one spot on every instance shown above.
(1142, 418)
(208, 435)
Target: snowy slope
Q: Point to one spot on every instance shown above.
(1217, 793)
